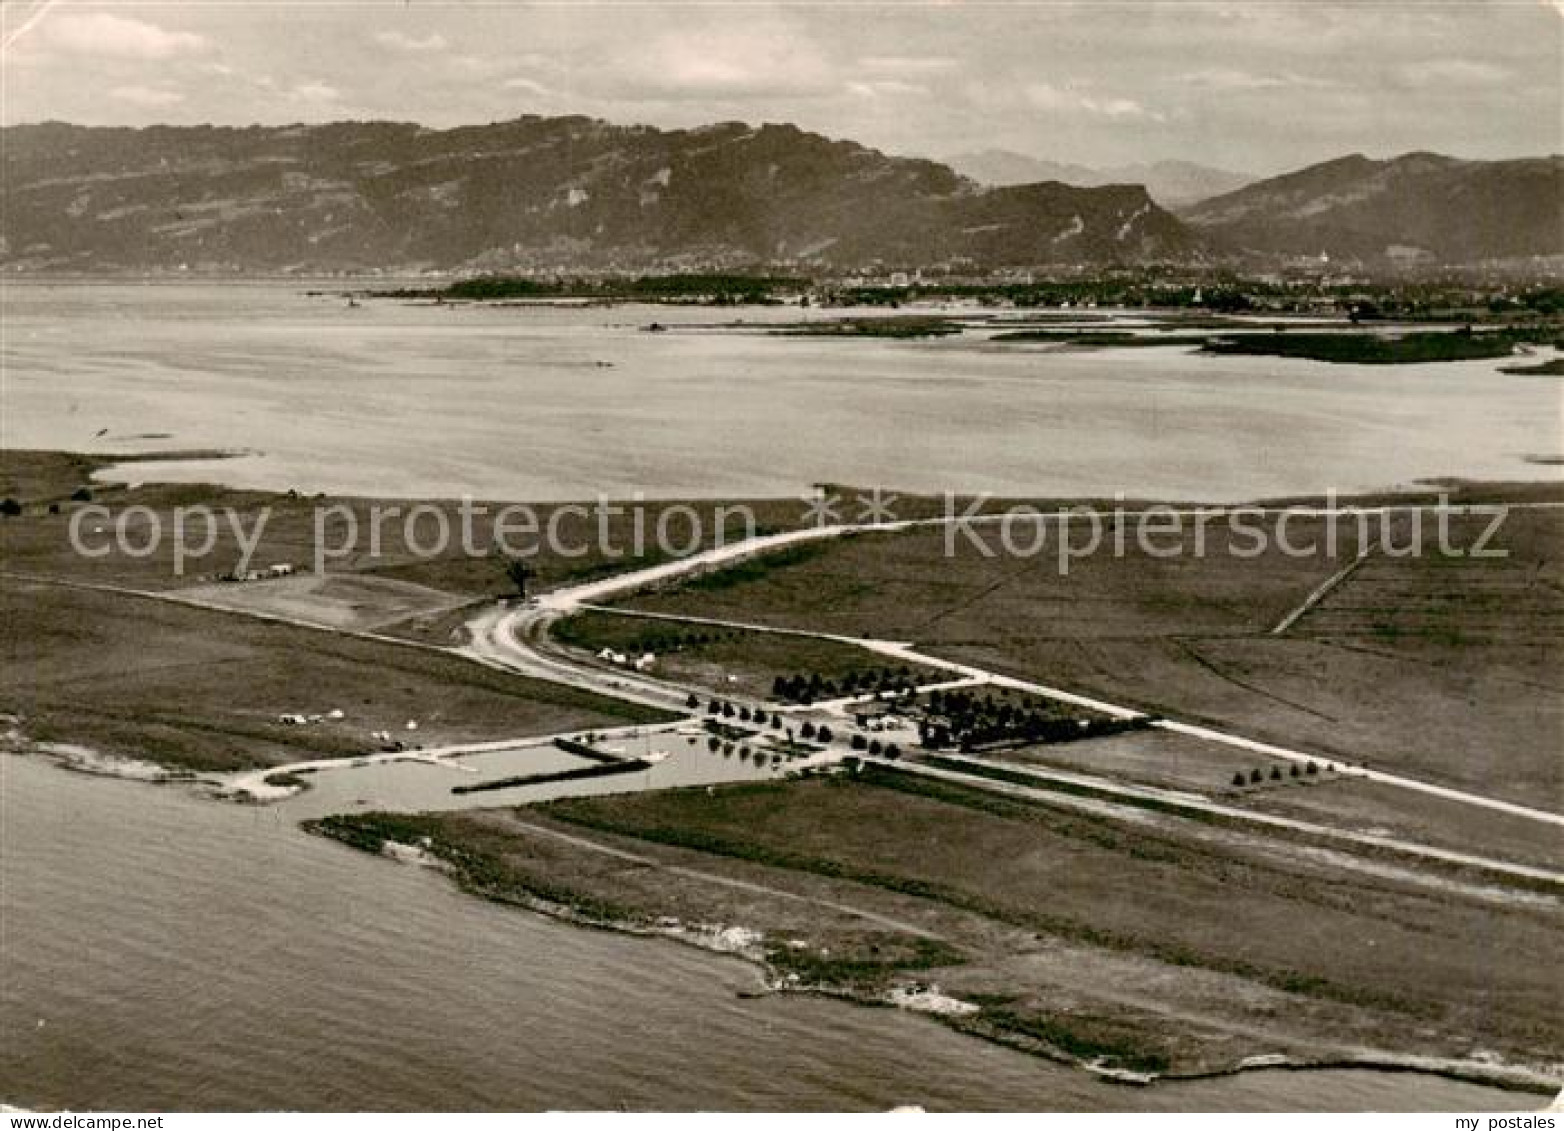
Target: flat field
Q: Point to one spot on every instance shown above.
(193, 688)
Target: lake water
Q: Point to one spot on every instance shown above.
(158, 950)
(513, 403)
(165, 951)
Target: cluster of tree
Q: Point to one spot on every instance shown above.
(902, 326)
(875, 746)
(718, 289)
(756, 716)
(660, 643)
(11, 508)
(1371, 349)
(1025, 729)
(1143, 287)
(807, 689)
(728, 748)
(1257, 776)
(583, 631)
(1224, 292)
(965, 721)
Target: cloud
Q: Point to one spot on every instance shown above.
(1229, 80)
(1046, 96)
(1226, 78)
(724, 64)
(1257, 85)
(314, 93)
(531, 86)
(149, 97)
(411, 45)
(911, 64)
(101, 33)
(1454, 72)
(885, 88)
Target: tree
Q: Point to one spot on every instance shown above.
(518, 573)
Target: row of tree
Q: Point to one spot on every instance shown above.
(807, 689)
(758, 716)
(723, 709)
(728, 748)
(1257, 776)
(875, 746)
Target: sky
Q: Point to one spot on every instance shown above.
(1255, 86)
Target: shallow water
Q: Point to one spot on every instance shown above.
(394, 398)
(164, 951)
(422, 787)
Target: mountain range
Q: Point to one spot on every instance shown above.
(1170, 183)
(1418, 209)
(534, 192)
(573, 193)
